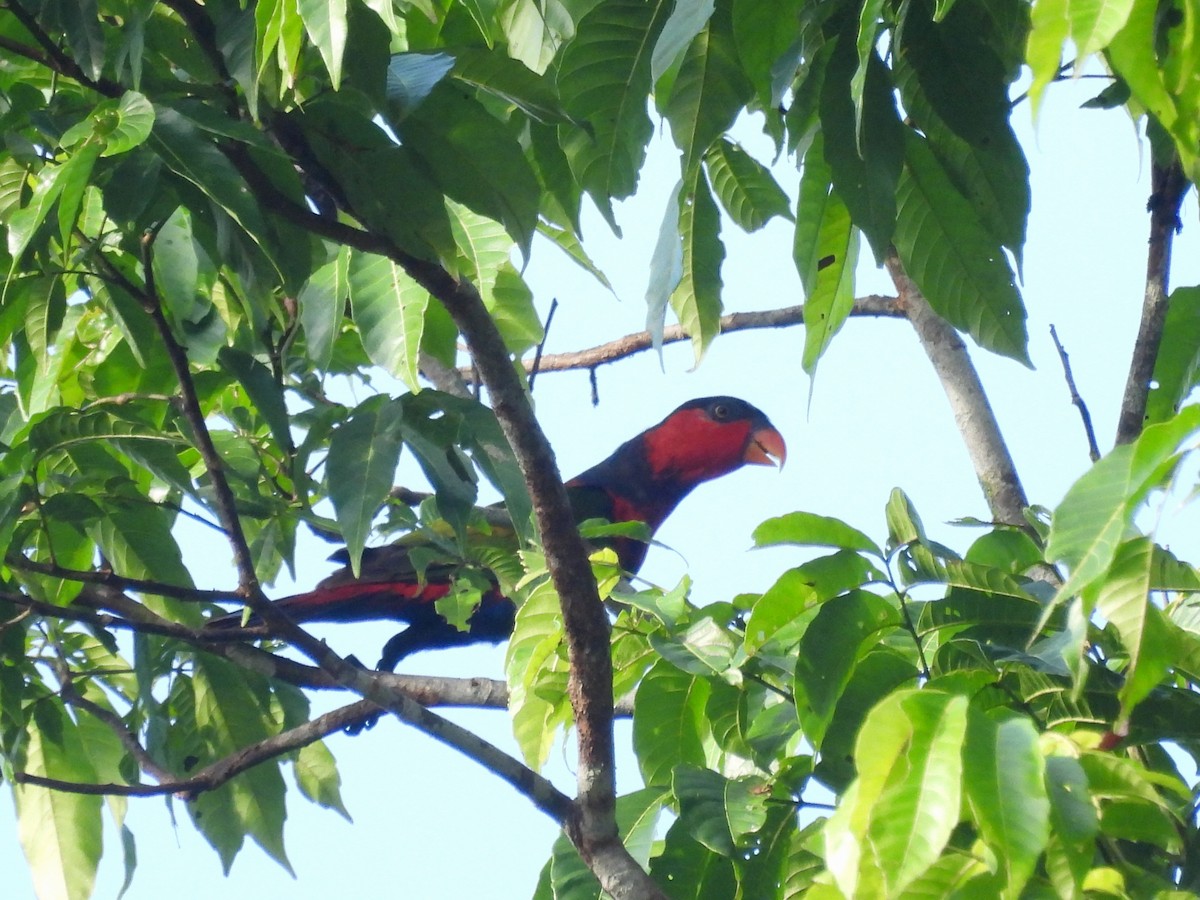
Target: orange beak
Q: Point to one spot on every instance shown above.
(766, 448)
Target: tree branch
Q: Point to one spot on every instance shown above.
(1168, 187)
(640, 341)
(1088, 430)
(591, 821)
(119, 582)
(994, 466)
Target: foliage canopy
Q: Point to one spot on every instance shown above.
(211, 210)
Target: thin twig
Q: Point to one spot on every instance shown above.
(1093, 448)
(537, 356)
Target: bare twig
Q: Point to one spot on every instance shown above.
(541, 347)
(641, 341)
(1093, 448)
(1168, 187)
(994, 466)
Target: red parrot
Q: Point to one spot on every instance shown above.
(642, 481)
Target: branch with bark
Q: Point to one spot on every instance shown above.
(874, 305)
(994, 466)
(1168, 185)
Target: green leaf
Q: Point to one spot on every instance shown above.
(958, 266)
(687, 19)
(475, 159)
(666, 268)
(493, 72)
(705, 649)
(894, 821)
(1091, 521)
(389, 310)
(73, 181)
(707, 95)
(536, 672)
(322, 303)
(744, 186)
(696, 300)
(1047, 34)
(263, 389)
(1004, 775)
(325, 22)
(363, 454)
(991, 171)
(194, 157)
(568, 242)
(1177, 366)
(410, 79)
(1094, 23)
(318, 779)
(232, 711)
(669, 722)
(128, 126)
(24, 223)
(1123, 598)
(358, 153)
(718, 812)
(60, 832)
(810, 530)
(843, 631)
(604, 79)
(826, 254)
(866, 154)
(136, 539)
(690, 871)
(637, 815)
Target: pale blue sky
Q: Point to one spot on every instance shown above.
(431, 824)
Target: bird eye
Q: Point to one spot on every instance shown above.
(720, 411)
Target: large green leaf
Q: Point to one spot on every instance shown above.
(59, 831)
(232, 711)
(604, 80)
(668, 722)
(959, 267)
(866, 154)
(1090, 522)
(894, 821)
(696, 300)
(322, 303)
(360, 156)
(389, 309)
(325, 22)
(842, 632)
(718, 812)
(474, 158)
(1177, 366)
(744, 186)
(363, 454)
(1004, 775)
(193, 156)
(533, 663)
(1123, 598)
(707, 94)
(826, 254)
(810, 530)
(493, 72)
